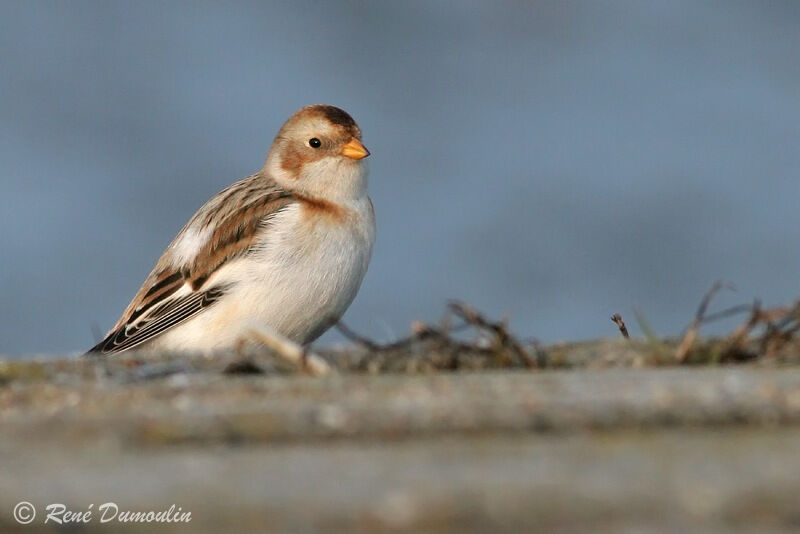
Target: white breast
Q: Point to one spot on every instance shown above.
(298, 281)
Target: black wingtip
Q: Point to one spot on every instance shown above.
(104, 347)
(95, 351)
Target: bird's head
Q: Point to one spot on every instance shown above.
(318, 152)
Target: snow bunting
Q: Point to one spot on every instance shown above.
(286, 248)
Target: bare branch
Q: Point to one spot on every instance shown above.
(691, 333)
(617, 318)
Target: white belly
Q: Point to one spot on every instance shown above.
(298, 281)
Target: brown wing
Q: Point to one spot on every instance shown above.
(236, 214)
(158, 320)
(237, 231)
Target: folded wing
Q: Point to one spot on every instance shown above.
(172, 312)
(178, 289)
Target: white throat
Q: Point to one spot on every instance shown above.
(335, 179)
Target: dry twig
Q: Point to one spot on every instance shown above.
(691, 333)
(617, 318)
(499, 329)
(451, 350)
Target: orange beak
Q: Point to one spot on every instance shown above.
(354, 149)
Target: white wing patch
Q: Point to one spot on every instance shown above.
(189, 244)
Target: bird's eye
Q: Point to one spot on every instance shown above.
(314, 142)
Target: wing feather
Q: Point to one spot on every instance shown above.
(231, 223)
(161, 319)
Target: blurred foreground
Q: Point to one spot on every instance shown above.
(606, 442)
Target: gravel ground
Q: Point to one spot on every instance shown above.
(609, 448)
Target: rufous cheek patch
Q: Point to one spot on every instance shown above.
(292, 162)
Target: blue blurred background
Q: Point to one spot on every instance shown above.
(555, 162)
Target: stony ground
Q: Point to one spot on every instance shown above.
(434, 435)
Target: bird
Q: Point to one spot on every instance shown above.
(286, 248)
